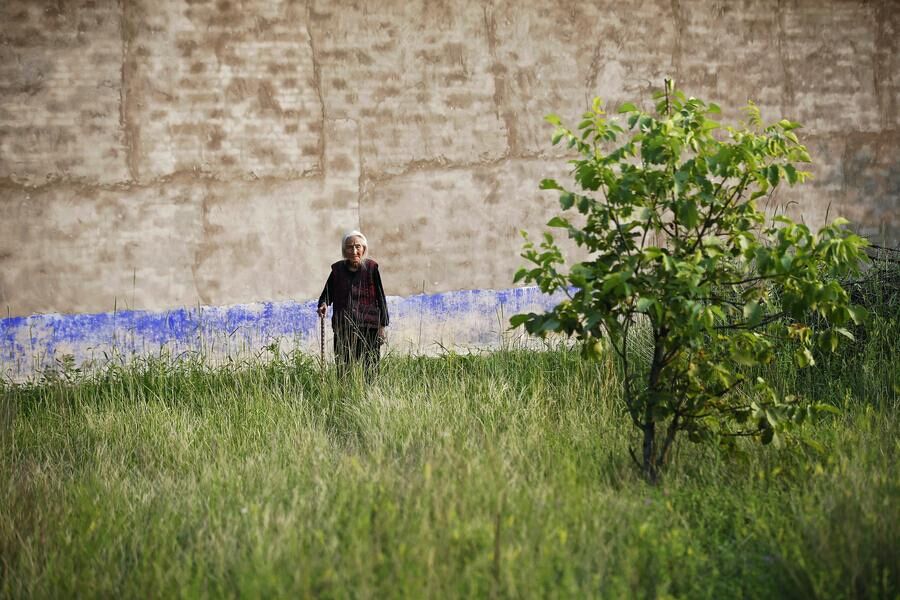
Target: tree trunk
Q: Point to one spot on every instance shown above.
(651, 454)
(650, 467)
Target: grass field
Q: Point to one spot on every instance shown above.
(502, 475)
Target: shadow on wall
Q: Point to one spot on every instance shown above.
(421, 324)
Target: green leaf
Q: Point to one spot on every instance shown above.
(669, 264)
(859, 314)
(753, 114)
(791, 173)
(517, 320)
(652, 252)
(788, 125)
(827, 408)
(627, 107)
(687, 213)
(550, 325)
(742, 356)
(845, 333)
(550, 184)
(828, 340)
(753, 313)
(566, 200)
(584, 203)
(777, 440)
(553, 119)
(644, 304)
(818, 447)
(773, 175)
(557, 222)
(612, 282)
(804, 358)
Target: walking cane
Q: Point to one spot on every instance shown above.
(322, 346)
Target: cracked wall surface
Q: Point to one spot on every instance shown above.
(160, 154)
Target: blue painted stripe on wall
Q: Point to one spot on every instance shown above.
(470, 317)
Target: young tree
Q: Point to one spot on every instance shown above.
(680, 253)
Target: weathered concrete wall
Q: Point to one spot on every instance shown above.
(161, 154)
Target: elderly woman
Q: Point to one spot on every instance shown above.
(360, 310)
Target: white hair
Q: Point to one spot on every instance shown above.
(354, 233)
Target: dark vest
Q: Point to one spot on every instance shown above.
(354, 295)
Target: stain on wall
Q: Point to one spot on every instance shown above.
(218, 89)
(60, 92)
(160, 155)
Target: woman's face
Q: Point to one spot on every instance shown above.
(354, 250)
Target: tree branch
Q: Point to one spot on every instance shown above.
(752, 279)
(738, 191)
(746, 326)
(670, 437)
(742, 433)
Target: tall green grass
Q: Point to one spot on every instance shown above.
(501, 475)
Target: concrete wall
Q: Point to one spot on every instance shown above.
(157, 154)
